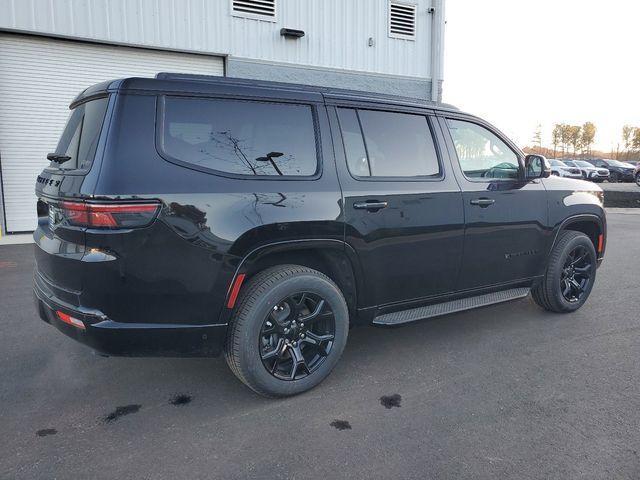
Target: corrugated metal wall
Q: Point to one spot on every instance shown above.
(337, 31)
(38, 79)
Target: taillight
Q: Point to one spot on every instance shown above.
(108, 215)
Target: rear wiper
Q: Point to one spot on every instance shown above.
(58, 158)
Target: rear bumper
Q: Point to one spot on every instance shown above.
(129, 339)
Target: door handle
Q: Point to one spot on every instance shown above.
(369, 205)
(483, 202)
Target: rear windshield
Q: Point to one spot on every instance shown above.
(80, 137)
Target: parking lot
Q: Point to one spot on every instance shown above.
(509, 391)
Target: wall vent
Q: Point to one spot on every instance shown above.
(258, 9)
(402, 20)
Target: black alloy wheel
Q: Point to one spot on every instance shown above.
(638, 179)
(576, 274)
(288, 330)
(297, 336)
(570, 274)
(614, 177)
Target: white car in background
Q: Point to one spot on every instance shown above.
(563, 170)
(589, 172)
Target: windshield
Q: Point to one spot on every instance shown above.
(615, 163)
(571, 164)
(557, 163)
(582, 163)
(79, 139)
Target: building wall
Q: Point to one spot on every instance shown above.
(279, 72)
(346, 42)
(337, 31)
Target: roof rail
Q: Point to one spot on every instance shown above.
(333, 91)
(186, 76)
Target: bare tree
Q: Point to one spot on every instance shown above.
(537, 138)
(556, 137)
(627, 137)
(635, 140)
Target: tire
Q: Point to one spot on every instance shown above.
(638, 179)
(267, 293)
(549, 292)
(614, 177)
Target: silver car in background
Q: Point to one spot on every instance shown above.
(563, 170)
(589, 172)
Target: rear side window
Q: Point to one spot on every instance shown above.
(80, 137)
(240, 137)
(388, 144)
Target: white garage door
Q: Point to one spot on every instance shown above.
(39, 77)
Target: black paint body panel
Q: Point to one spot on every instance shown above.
(172, 278)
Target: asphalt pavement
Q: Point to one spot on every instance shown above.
(508, 391)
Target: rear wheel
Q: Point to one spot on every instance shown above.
(288, 331)
(570, 274)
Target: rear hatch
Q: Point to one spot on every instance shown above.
(61, 240)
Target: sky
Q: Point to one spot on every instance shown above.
(520, 63)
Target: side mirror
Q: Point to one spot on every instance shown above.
(537, 166)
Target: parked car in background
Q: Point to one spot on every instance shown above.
(618, 171)
(561, 169)
(589, 172)
(184, 216)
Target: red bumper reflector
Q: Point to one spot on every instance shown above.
(68, 319)
(600, 242)
(235, 290)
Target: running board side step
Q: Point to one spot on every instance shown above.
(429, 311)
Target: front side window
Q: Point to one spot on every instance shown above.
(388, 144)
(482, 155)
(241, 137)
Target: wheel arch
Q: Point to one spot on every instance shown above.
(334, 258)
(590, 224)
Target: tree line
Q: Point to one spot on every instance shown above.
(577, 141)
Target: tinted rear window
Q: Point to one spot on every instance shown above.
(388, 144)
(240, 137)
(80, 137)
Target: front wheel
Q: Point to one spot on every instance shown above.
(614, 177)
(288, 330)
(570, 274)
(638, 179)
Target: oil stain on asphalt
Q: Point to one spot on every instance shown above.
(180, 399)
(390, 401)
(46, 431)
(121, 412)
(341, 425)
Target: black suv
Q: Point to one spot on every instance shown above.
(618, 171)
(190, 216)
